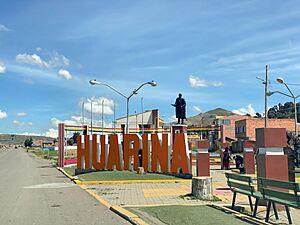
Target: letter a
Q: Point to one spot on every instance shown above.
(179, 155)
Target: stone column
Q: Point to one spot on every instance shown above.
(271, 161)
(203, 165)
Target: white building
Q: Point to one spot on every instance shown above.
(147, 119)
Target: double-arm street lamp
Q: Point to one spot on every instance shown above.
(134, 92)
(281, 81)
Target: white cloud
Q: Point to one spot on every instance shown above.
(3, 28)
(3, 115)
(247, 110)
(108, 105)
(2, 67)
(196, 109)
(65, 74)
(53, 133)
(196, 82)
(56, 60)
(33, 59)
(74, 121)
(21, 114)
(19, 123)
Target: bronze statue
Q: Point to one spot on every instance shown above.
(180, 108)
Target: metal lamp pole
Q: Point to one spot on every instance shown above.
(265, 82)
(134, 92)
(281, 81)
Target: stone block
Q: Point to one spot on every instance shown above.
(202, 188)
(270, 137)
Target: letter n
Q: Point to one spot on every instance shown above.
(83, 152)
(160, 153)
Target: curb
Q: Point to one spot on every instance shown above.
(130, 181)
(125, 214)
(66, 174)
(239, 215)
(129, 216)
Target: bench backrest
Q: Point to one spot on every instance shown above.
(240, 182)
(288, 191)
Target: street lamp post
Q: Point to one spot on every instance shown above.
(281, 81)
(134, 92)
(265, 82)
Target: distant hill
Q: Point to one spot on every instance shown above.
(207, 118)
(20, 139)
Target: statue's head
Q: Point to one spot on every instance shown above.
(180, 95)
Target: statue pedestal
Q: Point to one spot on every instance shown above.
(178, 129)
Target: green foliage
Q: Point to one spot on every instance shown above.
(70, 141)
(285, 111)
(28, 142)
(74, 137)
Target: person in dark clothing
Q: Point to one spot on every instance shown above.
(239, 163)
(226, 159)
(180, 108)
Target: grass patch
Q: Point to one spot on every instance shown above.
(118, 175)
(178, 215)
(191, 197)
(44, 153)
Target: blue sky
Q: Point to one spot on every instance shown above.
(210, 51)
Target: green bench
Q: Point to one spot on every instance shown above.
(280, 192)
(243, 184)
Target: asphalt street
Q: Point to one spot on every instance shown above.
(34, 192)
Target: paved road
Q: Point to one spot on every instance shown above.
(32, 192)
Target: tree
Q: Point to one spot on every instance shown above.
(28, 143)
(70, 141)
(74, 137)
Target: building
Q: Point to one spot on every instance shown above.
(245, 129)
(148, 119)
(227, 126)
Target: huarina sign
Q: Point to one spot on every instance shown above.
(106, 152)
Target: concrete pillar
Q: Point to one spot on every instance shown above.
(202, 188)
(271, 161)
(61, 145)
(249, 162)
(202, 156)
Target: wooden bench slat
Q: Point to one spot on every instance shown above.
(239, 177)
(245, 187)
(278, 184)
(285, 196)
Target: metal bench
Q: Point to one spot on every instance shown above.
(280, 192)
(243, 184)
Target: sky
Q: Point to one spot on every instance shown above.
(210, 51)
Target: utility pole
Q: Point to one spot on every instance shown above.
(91, 116)
(266, 97)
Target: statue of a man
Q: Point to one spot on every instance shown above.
(180, 108)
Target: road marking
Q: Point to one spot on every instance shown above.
(51, 185)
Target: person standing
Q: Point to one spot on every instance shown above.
(180, 108)
(226, 159)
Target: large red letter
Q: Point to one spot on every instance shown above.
(131, 149)
(83, 151)
(160, 153)
(115, 153)
(179, 155)
(146, 152)
(98, 158)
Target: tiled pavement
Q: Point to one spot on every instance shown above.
(148, 194)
